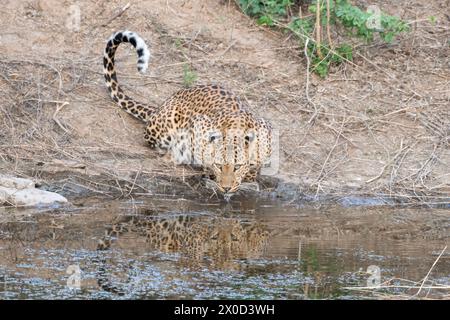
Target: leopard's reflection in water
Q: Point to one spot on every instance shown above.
(212, 242)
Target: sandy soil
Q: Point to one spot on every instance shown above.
(378, 127)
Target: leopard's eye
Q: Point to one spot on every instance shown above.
(250, 136)
(215, 236)
(237, 167)
(214, 136)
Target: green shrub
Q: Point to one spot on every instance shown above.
(189, 76)
(266, 11)
(358, 23)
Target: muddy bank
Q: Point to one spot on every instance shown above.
(78, 187)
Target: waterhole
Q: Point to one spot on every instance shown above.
(172, 248)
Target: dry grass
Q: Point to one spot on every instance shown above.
(34, 138)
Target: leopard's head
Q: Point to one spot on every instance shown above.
(232, 148)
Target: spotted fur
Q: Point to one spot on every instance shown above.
(205, 125)
(202, 241)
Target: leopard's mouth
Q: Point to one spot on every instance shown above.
(227, 196)
(244, 186)
(212, 184)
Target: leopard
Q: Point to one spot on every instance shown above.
(215, 242)
(205, 125)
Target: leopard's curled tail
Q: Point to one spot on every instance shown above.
(136, 109)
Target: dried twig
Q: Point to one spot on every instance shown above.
(330, 43)
(318, 30)
(405, 284)
(320, 177)
(58, 108)
(431, 269)
(308, 74)
(118, 14)
(390, 162)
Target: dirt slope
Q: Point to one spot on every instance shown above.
(381, 126)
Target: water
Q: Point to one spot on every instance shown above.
(245, 249)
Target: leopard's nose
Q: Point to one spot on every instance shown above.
(226, 189)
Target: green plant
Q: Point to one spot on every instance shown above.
(178, 43)
(323, 13)
(189, 76)
(266, 11)
(432, 19)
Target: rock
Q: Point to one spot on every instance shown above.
(4, 195)
(15, 183)
(33, 197)
(21, 192)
